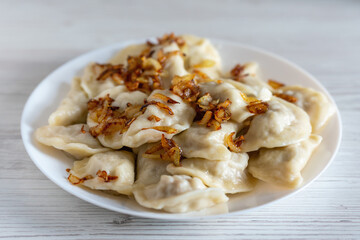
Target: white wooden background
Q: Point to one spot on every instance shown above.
(37, 36)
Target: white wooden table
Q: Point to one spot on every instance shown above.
(37, 36)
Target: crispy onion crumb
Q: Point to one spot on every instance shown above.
(286, 97)
(104, 176)
(257, 107)
(212, 113)
(274, 84)
(110, 119)
(166, 149)
(234, 144)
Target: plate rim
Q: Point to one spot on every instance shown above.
(169, 216)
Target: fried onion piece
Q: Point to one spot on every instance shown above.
(153, 117)
(257, 107)
(165, 129)
(286, 97)
(211, 112)
(164, 98)
(206, 118)
(274, 84)
(82, 129)
(75, 180)
(107, 178)
(233, 144)
(168, 39)
(207, 63)
(109, 118)
(154, 148)
(186, 87)
(248, 99)
(168, 150)
(160, 105)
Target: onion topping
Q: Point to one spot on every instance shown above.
(286, 97)
(103, 175)
(153, 117)
(274, 84)
(166, 149)
(234, 144)
(165, 129)
(212, 113)
(75, 180)
(186, 87)
(109, 118)
(257, 107)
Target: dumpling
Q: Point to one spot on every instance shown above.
(122, 55)
(261, 93)
(121, 98)
(112, 170)
(202, 55)
(174, 65)
(252, 76)
(282, 166)
(228, 175)
(179, 194)
(142, 129)
(149, 170)
(89, 82)
(70, 139)
(315, 104)
(284, 123)
(202, 142)
(73, 108)
(225, 91)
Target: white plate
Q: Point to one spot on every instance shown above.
(48, 94)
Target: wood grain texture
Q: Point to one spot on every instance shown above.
(37, 36)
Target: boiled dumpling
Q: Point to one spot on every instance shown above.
(252, 76)
(228, 175)
(179, 194)
(142, 129)
(73, 108)
(149, 170)
(174, 65)
(260, 93)
(70, 139)
(202, 142)
(284, 123)
(122, 56)
(112, 170)
(202, 55)
(282, 166)
(89, 82)
(315, 104)
(225, 91)
(121, 98)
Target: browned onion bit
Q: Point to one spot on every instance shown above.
(234, 144)
(186, 88)
(109, 118)
(164, 98)
(286, 97)
(153, 117)
(165, 129)
(257, 107)
(107, 178)
(274, 84)
(212, 113)
(75, 180)
(168, 150)
(236, 72)
(160, 105)
(82, 129)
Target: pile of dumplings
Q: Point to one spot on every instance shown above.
(272, 127)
